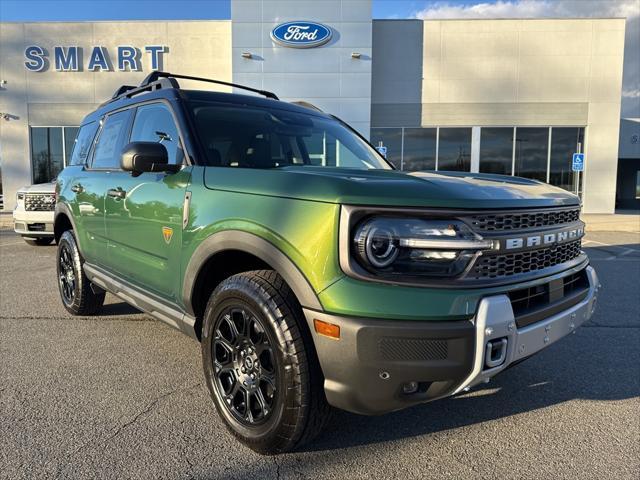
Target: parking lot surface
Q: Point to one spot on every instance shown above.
(121, 396)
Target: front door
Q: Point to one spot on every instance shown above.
(143, 214)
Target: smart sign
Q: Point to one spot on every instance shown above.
(301, 34)
(98, 58)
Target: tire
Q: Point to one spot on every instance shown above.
(41, 241)
(287, 404)
(76, 292)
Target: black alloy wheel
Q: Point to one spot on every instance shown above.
(66, 275)
(260, 365)
(77, 293)
(245, 365)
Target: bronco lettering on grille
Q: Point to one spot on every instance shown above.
(542, 239)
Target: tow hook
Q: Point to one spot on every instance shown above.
(496, 353)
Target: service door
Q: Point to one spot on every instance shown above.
(143, 214)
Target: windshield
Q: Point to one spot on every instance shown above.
(259, 137)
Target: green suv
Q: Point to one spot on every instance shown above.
(312, 272)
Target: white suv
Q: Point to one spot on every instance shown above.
(33, 215)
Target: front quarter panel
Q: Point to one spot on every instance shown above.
(306, 232)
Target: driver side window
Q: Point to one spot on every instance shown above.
(154, 123)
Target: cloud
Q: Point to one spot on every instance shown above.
(532, 8)
(561, 9)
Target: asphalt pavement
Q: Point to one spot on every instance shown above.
(121, 396)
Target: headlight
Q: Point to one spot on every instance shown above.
(413, 247)
(19, 196)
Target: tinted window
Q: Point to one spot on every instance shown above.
(70, 134)
(532, 145)
(454, 149)
(111, 140)
(419, 149)
(496, 150)
(154, 123)
(392, 139)
(79, 149)
(260, 137)
(46, 153)
(564, 143)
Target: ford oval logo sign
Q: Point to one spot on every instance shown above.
(301, 34)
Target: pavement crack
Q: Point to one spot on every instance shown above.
(150, 407)
(97, 441)
(275, 460)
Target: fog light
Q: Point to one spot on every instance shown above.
(410, 387)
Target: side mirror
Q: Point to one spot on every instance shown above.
(141, 157)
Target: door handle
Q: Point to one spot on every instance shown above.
(116, 193)
(77, 188)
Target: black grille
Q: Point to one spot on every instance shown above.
(523, 221)
(536, 303)
(496, 266)
(40, 202)
(412, 349)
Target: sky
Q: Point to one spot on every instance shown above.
(51, 10)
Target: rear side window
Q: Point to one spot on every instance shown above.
(111, 141)
(82, 143)
(154, 123)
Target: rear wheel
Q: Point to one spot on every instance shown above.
(39, 241)
(78, 296)
(259, 363)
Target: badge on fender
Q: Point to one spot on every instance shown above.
(167, 233)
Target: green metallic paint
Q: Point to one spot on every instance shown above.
(297, 210)
(134, 225)
(305, 231)
(390, 188)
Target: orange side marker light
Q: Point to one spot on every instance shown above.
(327, 329)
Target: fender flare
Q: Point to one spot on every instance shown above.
(254, 245)
(64, 209)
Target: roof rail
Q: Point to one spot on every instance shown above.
(156, 75)
(128, 91)
(122, 89)
(305, 104)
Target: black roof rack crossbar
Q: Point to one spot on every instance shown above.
(154, 76)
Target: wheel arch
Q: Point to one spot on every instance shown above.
(63, 220)
(240, 251)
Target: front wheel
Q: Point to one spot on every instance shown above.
(259, 363)
(76, 292)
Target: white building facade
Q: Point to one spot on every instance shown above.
(513, 97)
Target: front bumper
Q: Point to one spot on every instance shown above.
(366, 369)
(34, 224)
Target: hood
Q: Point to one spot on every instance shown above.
(390, 187)
(39, 188)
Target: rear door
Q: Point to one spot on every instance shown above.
(143, 214)
(90, 186)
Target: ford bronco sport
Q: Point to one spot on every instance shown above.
(312, 273)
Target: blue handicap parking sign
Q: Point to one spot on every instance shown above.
(383, 150)
(578, 162)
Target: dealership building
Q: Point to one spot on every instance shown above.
(514, 97)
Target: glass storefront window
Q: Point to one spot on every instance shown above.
(454, 149)
(531, 153)
(392, 139)
(419, 149)
(564, 143)
(496, 150)
(46, 153)
(49, 147)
